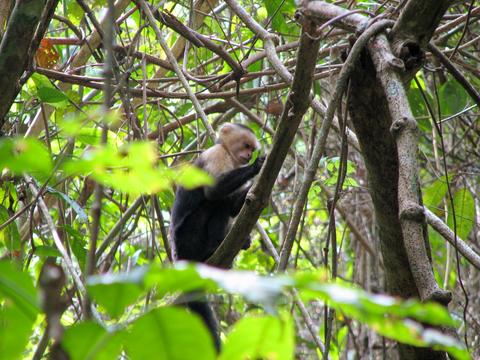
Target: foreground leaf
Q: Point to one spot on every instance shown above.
(88, 340)
(18, 310)
(265, 337)
(169, 333)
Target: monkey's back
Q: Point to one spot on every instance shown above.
(198, 225)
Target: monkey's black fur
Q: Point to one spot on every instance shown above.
(200, 217)
(200, 222)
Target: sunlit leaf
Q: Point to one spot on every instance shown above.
(28, 155)
(18, 310)
(52, 96)
(191, 177)
(46, 251)
(183, 278)
(264, 337)
(132, 169)
(390, 317)
(276, 10)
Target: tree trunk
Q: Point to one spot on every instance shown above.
(14, 49)
(371, 118)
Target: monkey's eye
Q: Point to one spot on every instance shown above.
(247, 146)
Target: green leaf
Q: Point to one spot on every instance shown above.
(46, 251)
(15, 330)
(17, 286)
(51, 95)
(184, 277)
(41, 81)
(464, 212)
(81, 214)
(132, 169)
(169, 333)
(265, 337)
(453, 98)
(25, 155)
(9, 235)
(435, 193)
(277, 15)
(191, 177)
(88, 340)
(116, 291)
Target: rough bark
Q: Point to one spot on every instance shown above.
(405, 131)
(14, 49)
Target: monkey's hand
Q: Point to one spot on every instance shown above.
(257, 165)
(247, 243)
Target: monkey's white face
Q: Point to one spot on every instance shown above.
(240, 143)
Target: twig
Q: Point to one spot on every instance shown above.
(118, 227)
(435, 222)
(474, 94)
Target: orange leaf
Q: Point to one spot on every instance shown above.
(46, 56)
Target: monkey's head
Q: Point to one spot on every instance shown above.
(239, 141)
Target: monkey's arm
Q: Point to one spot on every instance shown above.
(231, 181)
(236, 200)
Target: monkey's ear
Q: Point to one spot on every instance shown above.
(226, 128)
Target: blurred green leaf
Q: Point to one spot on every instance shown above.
(265, 337)
(116, 291)
(182, 278)
(46, 251)
(18, 310)
(41, 81)
(390, 317)
(88, 340)
(28, 155)
(133, 169)
(169, 333)
(17, 286)
(191, 177)
(15, 329)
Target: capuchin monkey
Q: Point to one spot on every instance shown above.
(201, 218)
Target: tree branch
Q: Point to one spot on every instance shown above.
(435, 222)
(405, 131)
